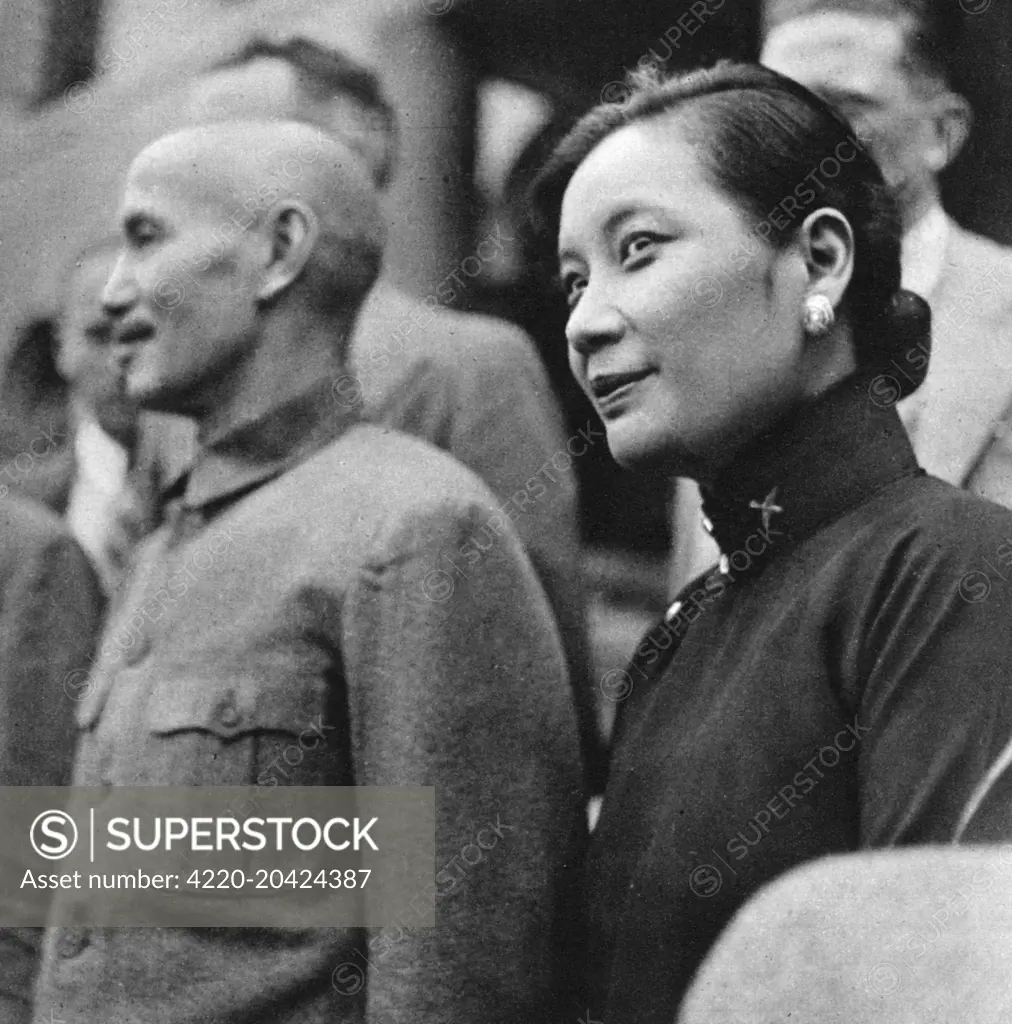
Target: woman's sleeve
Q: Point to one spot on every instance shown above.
(936, 711)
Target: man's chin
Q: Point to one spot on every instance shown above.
(149, 392)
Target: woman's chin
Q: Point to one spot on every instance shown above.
(642, 450)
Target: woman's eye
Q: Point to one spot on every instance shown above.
(637, 245)
(572, 288)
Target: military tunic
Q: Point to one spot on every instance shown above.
(308, 594)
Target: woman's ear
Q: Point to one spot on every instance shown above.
(292, 233)
(827, 246)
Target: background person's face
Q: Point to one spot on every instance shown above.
(685, 328)
(262, 88)
(85, 328)
(856, 63)
(182, 293)
(270, 88)
(83, 351)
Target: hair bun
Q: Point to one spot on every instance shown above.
(901, 347)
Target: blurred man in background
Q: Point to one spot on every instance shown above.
(36, 445)
(886, 65)
(50, 614)
(106, 512)
(335, 597)
(472, 385)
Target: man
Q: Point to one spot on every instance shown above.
(50, 613)
(104, 424)
(883, 64)
(36, 446)
(472, 385)
(319, 557)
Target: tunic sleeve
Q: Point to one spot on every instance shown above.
(457, 681)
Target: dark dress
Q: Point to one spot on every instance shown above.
(843, 685)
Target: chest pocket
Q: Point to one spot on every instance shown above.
(241, 731)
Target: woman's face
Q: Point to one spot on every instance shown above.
(684, 328)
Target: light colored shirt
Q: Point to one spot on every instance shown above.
(96, 496)
(922, 252)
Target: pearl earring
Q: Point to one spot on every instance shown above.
(819, 315)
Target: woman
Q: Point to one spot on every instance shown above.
(731, 262)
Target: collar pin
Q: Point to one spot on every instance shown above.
(767, 507)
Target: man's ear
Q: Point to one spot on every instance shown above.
(827, 245)
(951, 118)
(292, 231)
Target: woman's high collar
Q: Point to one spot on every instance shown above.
(799, 477)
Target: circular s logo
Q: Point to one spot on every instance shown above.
(705, 881)
(616, 92)
(53, 835)
(348, 979)
(884, 391)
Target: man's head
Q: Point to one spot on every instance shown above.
(884, 64)
(302, 80)
(84, 330)
(235, 235)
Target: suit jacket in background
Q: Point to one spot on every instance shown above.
(50, 615)
(960, 419)
(316, 570)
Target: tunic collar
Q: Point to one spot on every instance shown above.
(264, 447)
(806, 473)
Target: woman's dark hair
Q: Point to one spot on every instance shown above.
(767, 142)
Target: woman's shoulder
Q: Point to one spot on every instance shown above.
(920, 550)
(919, 537)
(932, 514)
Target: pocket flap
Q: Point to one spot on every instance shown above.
(230, 707)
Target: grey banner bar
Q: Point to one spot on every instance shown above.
(258, 856)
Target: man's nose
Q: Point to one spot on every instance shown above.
(594, 323)
(120, 292)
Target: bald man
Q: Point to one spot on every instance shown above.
(306, 574)
(470, 384)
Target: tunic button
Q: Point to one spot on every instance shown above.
(229, 717)
(71, 942)
(139, 651)
(672, 612)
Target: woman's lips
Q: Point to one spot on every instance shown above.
(611, 389)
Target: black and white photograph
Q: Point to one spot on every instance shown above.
(506, 512)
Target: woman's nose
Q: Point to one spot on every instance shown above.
(593, 323)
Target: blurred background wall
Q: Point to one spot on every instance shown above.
(482, 88)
